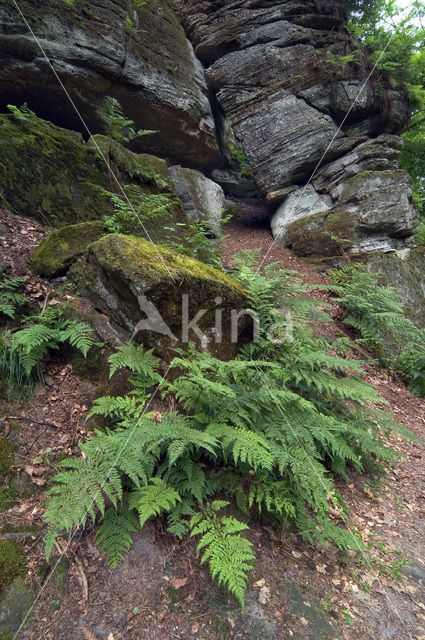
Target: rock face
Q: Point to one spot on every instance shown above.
(132, 281)
(140, 56)
(300, 112)
(202, 198)
(52, 175)
(356, 204)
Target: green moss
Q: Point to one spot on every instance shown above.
(12, 562)
(139, 258)
(55, 254)
(7, 449)
(48, 173)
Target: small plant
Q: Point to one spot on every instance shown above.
(22, 352)
(131, 212)
(10, 298)
(117, 125)
(241, 159)
(21, 113)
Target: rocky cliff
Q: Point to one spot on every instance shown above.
(275, 90)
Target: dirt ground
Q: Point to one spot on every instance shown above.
(159, 592)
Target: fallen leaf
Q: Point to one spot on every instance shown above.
(259, 583)
(304, 622)
(178, 583)
(195, 628)
(321, 568)
(264, 595)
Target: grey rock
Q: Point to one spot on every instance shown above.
(15, 603)
(235, 184)
(140, 56)
(202, 198)
(361, 202)
(304, 202)
(141, 287)
(283, 141)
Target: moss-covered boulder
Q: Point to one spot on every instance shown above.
(154, 293)
(55, 254)
(48, 173)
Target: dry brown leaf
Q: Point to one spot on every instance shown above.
(264, 595)
(321, 568)
(304, 622)
(259, 583)
(195, 628)
(88, 635)
(178, 583)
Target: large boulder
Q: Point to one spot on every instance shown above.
(359, 203)
(202, 198)
(136, 52)
(48, 173)
(51, 174)
(153, 293)
(279, 75)
(55, 254)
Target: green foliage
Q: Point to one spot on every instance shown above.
(267, 431)
(21, 352)
(114, 533)
(21, 113)
(201, 243)
(377, 315)
(10, 298)
(395, 37)
(117, 125)
(134, 208)
(241, 159)
(230, 556)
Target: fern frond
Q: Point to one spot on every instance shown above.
(152, 499)
(229, 555)
(114, 533)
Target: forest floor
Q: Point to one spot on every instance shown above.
(159, 592)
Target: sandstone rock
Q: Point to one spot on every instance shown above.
(302, 203)
(124, 276)
(289, 105)
(55, 254)
(359, 203)
(202, 198)
(48, 173)
(139, 55)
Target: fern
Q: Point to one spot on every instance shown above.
(117, 125)
(45, 332)
(375, 312)
(230, 556)
(151, 500)
(114, 533)
(10, 298)
(268, 430)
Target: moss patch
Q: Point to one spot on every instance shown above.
(57, 252)
(48, 173)
(12, 562)
(7, 449)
